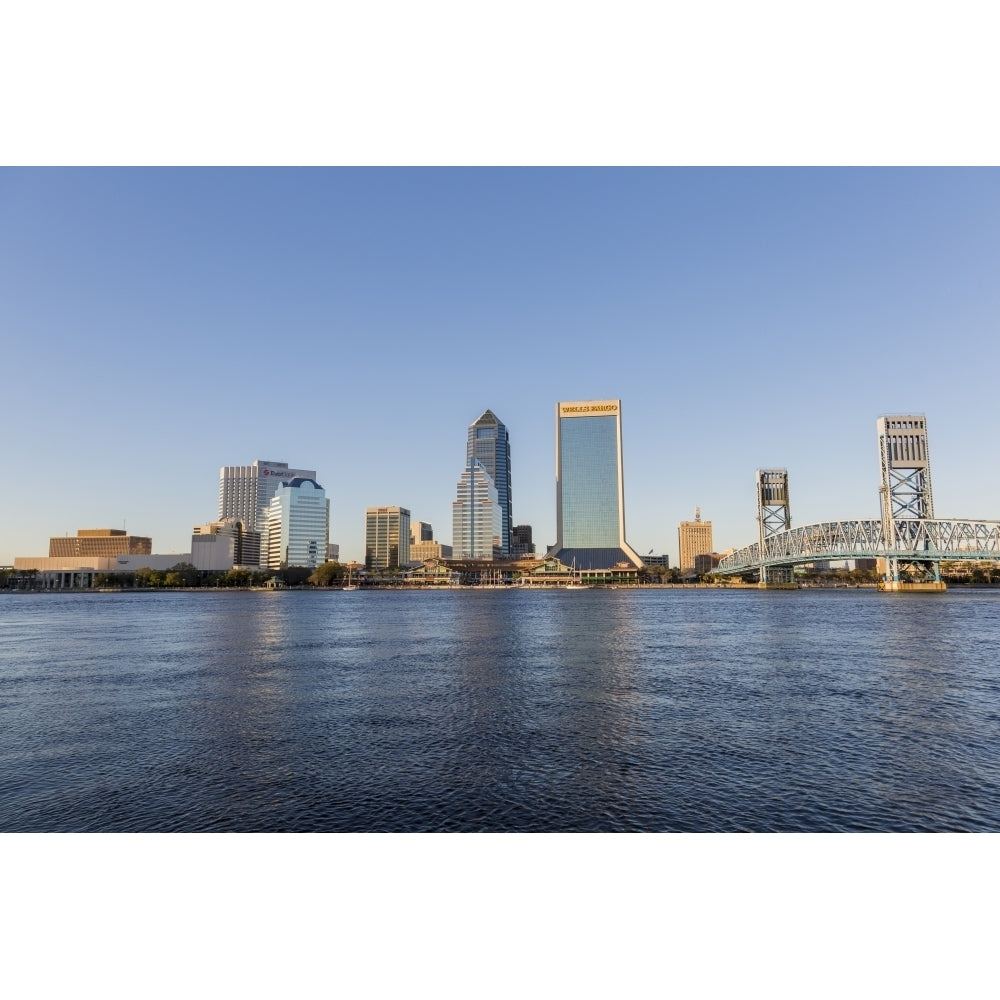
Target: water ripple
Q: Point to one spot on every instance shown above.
(602, 711)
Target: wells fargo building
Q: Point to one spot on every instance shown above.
(590, 492)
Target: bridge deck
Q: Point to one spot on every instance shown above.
(916, 540)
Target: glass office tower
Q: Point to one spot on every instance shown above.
(489, 444)
(590, 492)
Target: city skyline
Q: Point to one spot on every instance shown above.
(139, 305)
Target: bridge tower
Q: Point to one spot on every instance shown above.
(773, 515)
(906, 498)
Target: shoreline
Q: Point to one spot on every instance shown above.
(447, 588)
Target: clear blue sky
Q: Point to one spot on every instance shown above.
(158, 324)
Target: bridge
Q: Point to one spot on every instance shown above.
(908, 538)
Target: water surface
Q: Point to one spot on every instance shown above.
(500, 711)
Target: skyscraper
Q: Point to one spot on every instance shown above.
(476, 515)
(387, 537)
(489, 444)
(245, 491)
(590, 490)
(297, 524)
(694, 539)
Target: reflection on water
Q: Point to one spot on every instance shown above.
(495, 710)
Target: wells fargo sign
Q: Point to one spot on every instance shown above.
(589, 408)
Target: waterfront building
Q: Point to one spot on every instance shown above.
(387, 538)
(521, 545)
(333, 552)
(694, 539)
(223, 545)
(489, 444)
(477, 521)
(245, 491)
(652, 560)
(297, 525)
(61, 572)
(590, 491)
(99, 543)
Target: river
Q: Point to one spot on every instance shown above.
(493, 710)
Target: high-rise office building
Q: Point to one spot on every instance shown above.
(245, 491)
(387, 537)
(297, 524)
(590, 489)
(489, 444)
(476, 515)
(694, 539)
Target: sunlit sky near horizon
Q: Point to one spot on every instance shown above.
(157, 324)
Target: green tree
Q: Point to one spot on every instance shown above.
(328, 575)
(295, 576)
(187, 573)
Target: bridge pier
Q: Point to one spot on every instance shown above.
(912, 586)
(777, 578)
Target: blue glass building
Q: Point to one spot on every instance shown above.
(590, 493)
(489, 445)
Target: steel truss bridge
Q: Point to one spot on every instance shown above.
(916, 541)
(908, 538)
